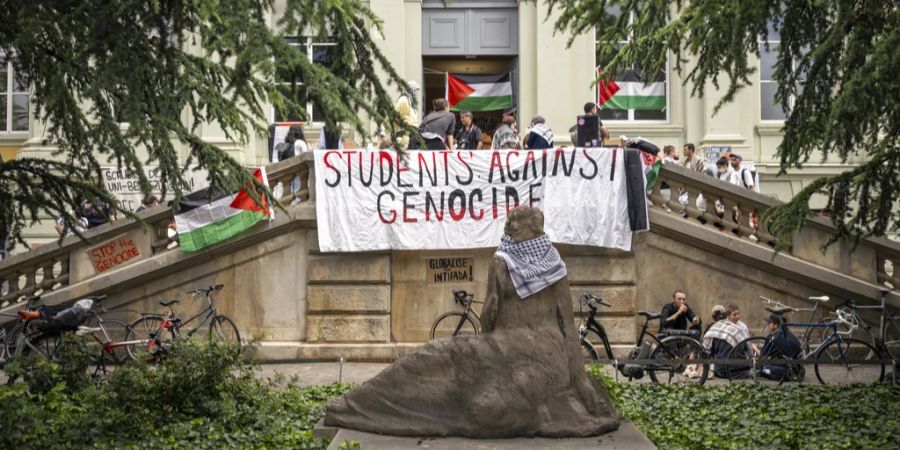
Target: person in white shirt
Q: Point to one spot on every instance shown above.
(744, 176)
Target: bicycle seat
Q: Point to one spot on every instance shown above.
(823, 298)
(781, 310)
(649, 315)
(167, 304)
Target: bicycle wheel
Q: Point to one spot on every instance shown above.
(453, 324)
(223, 329)
(104, 344)
(750, 350)
(9, 345)
(830, 368)
(588, 352)
(891, 339)
(816, 336)
(678, 347)
(150, 339)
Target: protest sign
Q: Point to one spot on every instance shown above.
(123, 184)
(375, 200)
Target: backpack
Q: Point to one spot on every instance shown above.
(752, 177)
(285, 150)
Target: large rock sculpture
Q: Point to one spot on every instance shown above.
(523, 376)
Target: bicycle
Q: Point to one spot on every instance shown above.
(43, 336)
(154, 333)
(887, 336)
(829, 357)
(813, 336)
(648, 346)
(455, 323)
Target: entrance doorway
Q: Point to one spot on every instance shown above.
(435, 79)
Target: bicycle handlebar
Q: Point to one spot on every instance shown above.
(462, 297)
(217, 287)
(592, 301)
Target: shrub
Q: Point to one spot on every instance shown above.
(199, 396)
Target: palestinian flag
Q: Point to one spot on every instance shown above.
(605, 89)
(479, 92)
(202, 221)
(632, 93)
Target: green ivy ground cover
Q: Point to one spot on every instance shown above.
(201, 397)
(746, 416)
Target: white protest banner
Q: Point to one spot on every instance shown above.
(123, 184)
(371, 200)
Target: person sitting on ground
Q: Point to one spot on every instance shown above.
(506, 136)
(718, 313)
(678, 315)
(782, 344)
(722, 336)
(437, 127)
(539, 136)
(148, 202)
(470, 134)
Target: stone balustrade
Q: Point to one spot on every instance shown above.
(732, 209)
(57, 265)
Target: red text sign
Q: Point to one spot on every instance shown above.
(113, 253)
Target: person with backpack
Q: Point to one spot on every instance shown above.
(744, 177)
(294, 144)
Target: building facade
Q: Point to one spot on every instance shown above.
(425, 39)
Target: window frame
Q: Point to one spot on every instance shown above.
(6, 128)
(767, 44)
(307, 43)
(631, 114)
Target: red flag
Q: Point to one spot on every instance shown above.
(605, 89)
(243, 200)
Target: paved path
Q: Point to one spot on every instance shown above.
(311, 374)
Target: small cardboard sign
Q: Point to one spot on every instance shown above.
(114, 253)
(449, 270)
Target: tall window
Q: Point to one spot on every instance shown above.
(13, 99)
(770, 109)
(636, 99)
(317, 52)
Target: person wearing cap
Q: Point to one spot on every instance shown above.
(781, 344)
(743, 176)
(718, 313)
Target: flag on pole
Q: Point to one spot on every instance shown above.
(202, 221)
(479, 92)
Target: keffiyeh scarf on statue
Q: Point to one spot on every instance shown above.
(533, 264)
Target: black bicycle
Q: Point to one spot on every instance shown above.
(456, 323)
(154, 333)
(667, 354)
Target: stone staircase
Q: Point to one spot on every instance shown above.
(301, 304)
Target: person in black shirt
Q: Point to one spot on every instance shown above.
(678, 315)
(96, 212)
(470, 134)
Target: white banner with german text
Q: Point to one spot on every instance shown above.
(429, 200)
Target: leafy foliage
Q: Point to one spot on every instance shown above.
(743, 415)
(169, 70)
(839, 59)
(201, 396)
